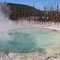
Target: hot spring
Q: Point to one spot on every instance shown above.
(30, 40)
(15, 39)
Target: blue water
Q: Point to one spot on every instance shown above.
(30, 40)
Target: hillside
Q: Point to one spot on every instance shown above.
(19, 10)
(16, 11)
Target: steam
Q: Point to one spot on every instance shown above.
(5, 22)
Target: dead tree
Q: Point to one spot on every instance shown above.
(45, 14)
(57, 14)
(51, 14)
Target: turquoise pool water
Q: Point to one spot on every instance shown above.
(30, 40)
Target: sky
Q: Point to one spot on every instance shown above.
(39, 4)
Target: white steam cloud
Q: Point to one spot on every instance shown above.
(5, 22)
